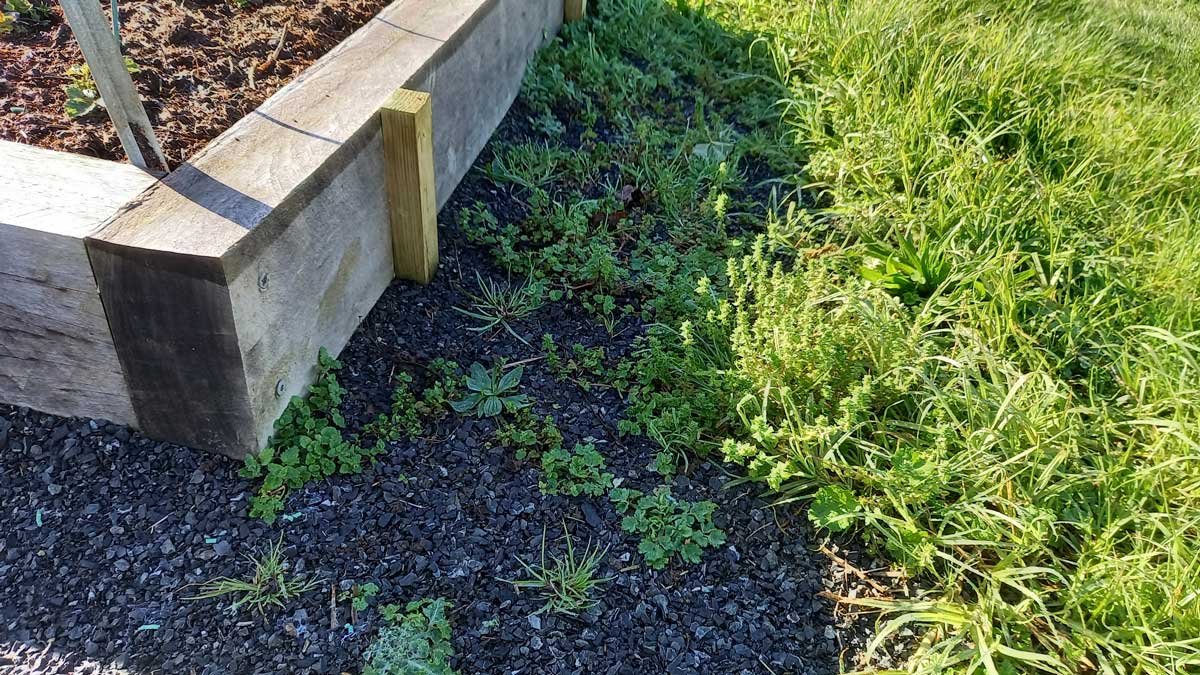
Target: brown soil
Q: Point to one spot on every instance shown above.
(204, 64)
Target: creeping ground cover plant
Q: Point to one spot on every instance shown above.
(309, 444)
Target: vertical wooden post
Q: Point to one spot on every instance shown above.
(121, 100)
(574, 10)
(412, 204)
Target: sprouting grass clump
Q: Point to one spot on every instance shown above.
(569, 583)
(416, 640)
(271, 584)
(308, 444)
(498, 305)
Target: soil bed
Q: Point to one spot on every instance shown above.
(202, 65)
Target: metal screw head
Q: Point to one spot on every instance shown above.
(279, 389)
(263, 280)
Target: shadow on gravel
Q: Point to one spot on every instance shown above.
(105, 532)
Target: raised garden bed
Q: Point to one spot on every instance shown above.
(200, 68)
(192, 306)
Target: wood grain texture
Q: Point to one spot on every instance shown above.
(56, 350)
(574, 10)
(172, 324)
(63, 193)
(264, 162)
(326, 251)
(313, 284)
(412, 203)
(121, 100)
(474, 84)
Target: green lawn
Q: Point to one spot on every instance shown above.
(930, 267)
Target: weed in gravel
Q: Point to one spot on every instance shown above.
(360, 595)
(667, 526)
(404, 418)
(492, 391)
(445, 386)
(270, 585)
(567, 242)
(409, 415)
(500, 304)
(528, 437)
(569, 583)
(416, 641)
(574, 472)
(308, 444)
(580, 366)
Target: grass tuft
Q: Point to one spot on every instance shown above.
(271, 584)
(569, 583)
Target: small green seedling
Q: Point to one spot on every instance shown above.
(82, 94)
(668, 526)
(404, 419)
(529, 437)
(492, 392)
(361, 595)
(416, 640)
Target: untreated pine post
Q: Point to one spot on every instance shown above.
(103, 57)
(412, 204)
(574, 10)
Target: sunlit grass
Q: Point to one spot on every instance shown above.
(967, 328)
(1020, 433)
(1053, 149)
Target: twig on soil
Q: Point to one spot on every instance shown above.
(257, 68)
(270, 62)
(845, 564)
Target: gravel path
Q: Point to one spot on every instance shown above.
(105, 533)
